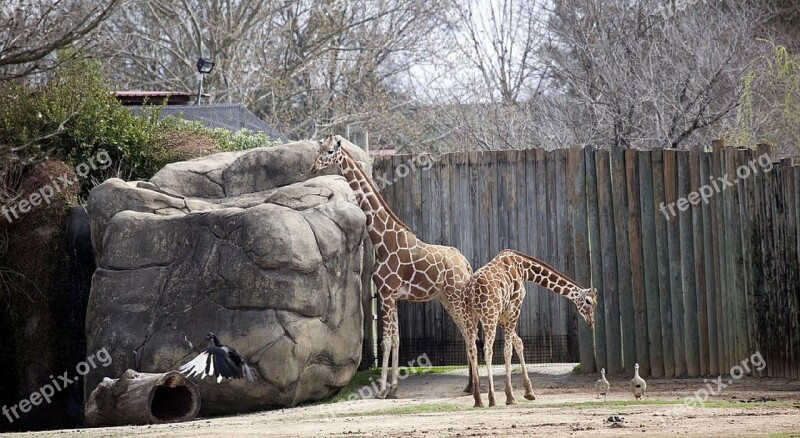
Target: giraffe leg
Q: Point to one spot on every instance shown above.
(472, 356)
(518, 346)
(465, 333)
(468, 388)
(395, 359)
(388, 320)
(489, 332)
(466, 325)
(508, 350)
(470, 380)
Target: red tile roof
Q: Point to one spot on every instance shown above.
(137, 97)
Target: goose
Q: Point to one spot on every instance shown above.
(601, 386)
(218, 361)
(638, 385)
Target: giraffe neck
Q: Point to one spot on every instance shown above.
(539, 272)
(380, 217)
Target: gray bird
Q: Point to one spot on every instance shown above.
(638, 385)
(601, 386)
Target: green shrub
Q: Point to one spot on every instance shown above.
(223, 139)
(769, 106)
(71, 117)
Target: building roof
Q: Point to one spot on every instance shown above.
(382, 152)
(231, 116)
(137, 97)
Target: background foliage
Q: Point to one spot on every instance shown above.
(769, 106)
(71, 116)
(442, 75)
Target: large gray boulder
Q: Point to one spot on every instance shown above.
(245, 244)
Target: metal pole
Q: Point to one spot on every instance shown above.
(199, 87)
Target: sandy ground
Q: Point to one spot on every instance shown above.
(432, 405)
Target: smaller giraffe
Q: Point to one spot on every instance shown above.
(494, 296)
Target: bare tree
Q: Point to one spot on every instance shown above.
(492, 75)
(769, 110)
(455, 75)
(637, 74)
(32, 31)
(155, 44)
(785, 23)
(634, 73)
(303, 66)
(500, 40)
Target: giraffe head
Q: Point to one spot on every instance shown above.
(586, 302)
(329, 153)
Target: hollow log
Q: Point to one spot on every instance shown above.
(142, 398)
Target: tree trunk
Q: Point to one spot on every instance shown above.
(142, 398)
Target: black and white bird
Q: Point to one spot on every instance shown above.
(218, 361)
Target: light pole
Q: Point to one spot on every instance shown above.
(204, 67)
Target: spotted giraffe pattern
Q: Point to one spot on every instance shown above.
(494, 296)
(406, 268)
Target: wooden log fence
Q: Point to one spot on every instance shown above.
(695, 253)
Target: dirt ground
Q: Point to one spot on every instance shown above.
(432, 405)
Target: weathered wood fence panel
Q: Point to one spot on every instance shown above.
(596, 262)
(641, 329)
(695, 253)
(665, 302)
(576, 168)
(650, 262)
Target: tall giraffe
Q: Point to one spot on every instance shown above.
(494, 296)
(406, 268)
